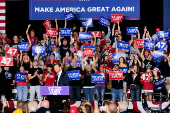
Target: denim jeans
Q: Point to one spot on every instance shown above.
(100, 90)
(88, 94)
(115, 93)
(136, 92)
(75, 93)
(22, 92)
(34, 89)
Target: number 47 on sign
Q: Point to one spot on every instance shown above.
(6, 61)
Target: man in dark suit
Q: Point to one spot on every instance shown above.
(61, 78)
(123, 106)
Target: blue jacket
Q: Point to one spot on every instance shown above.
(63, 80)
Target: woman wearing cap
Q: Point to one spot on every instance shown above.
(147, 84)
(88, 87)
(53, 42)
(22, 87)
(75, 47)
(99, 87)
(160, 88)
(25, 61)
(133, 78)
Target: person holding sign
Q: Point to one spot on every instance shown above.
(133, 78)
(21, 78)
(99, 87)
(115, 32)
(158, 88)
(88, 87)
(75, 85)
(146, 34)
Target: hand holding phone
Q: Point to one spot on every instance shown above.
(102, 108)
(2, 98)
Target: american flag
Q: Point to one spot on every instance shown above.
(2, 16)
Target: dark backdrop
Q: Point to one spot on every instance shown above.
(17, 19)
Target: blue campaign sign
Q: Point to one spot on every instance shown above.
(131, 30)
(84, 36)
(78, 63)
(57, 53)
(156, 55)
(123, 45)
(87, 23)
(73, 75)
(65, 32)
(92, 47)
(160, 45)
(43, 9)
(69, 16)
(104, 21)
(160, 81)
(20, 77)
(116, 57)
(38, 50)
(149, 44)
(124, 69)
(98, 78)
(163, 34)
(24, 46)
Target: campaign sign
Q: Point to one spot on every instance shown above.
(84, 36)
(115, 75)
(88, 52)
(104, 21)
(98, 78)
(149, 44)
(107, 69)
(40, 50)
(69, 16)
(96, 33)
(65, 32)
(47, 23)
(6, 61)
(51, 32)
(160, 45)
(156, 55)
(87, 23)
(57, 53)
(139, 43)
(73, 75)
(116, 57)
(124, 69)
(20, 77)
(54, 90)
(123, 45)
(78, 63)
(116, 18)
(160, 81)
(91, 47)
(24, 46)
(158, 88)
(131, 30)
(163, 34)
(144, 77)
(43, 9)
(11, 51)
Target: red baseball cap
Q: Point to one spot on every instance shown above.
(116, 30)
(158, 29)
(31, 31)
(74, 109)
(102, 66)
(156, 69)
(108, 41)
(64, 40)
(25, 54)
(54, 46)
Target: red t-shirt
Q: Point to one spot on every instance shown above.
(88, 44)
(49, 62)
(50, 80)
(103, 42)
(105, 79)
(32, 39)
(110, 48)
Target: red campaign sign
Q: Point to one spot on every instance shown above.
(107, 69)
(96, 33)
(115, 75)
(144, 76)
(169, 56)
(47, 23)
(6, 61)
(88, 52)
(139, 43)
(116, 17)
(52, 32)
(11, 51)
